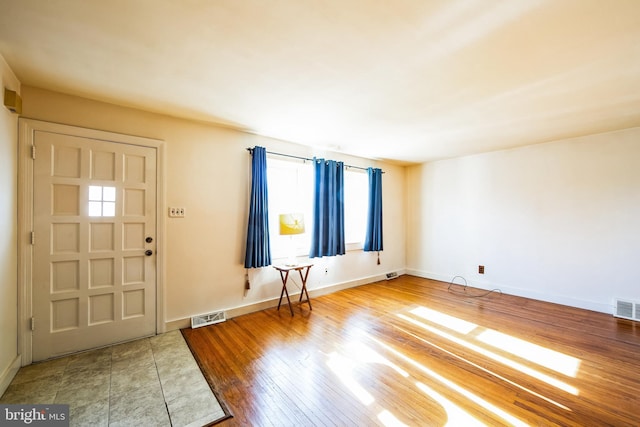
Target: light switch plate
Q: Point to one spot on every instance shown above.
(176, 212)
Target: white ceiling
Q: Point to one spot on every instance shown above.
(405, 80)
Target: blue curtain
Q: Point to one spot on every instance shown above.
(373, 239)
(258, 253)
(327, 237)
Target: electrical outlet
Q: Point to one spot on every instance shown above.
(481, 269)
(176, 212)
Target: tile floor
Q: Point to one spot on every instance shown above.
(149, 382)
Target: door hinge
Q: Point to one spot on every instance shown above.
(33, 152)
(33, 237)
(33, 323)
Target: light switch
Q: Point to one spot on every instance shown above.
(176, 212)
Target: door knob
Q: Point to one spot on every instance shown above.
(149, 239)
(148, 252)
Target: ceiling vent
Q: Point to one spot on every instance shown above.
(627, 309)
(207, 319)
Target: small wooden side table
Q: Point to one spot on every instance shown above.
(284, 270)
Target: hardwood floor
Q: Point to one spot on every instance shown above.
(409, 352)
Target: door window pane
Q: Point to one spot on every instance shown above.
(95, 208)
(108, 209)
(109, 194)
(95, 193)
(102, 201)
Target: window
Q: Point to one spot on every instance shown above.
(356, 203)
(290, 191)
(102, 201)
(291, 186)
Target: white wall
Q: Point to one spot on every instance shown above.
(207, 172)
(558, 221)
(8, 224)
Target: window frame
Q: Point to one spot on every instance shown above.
(300, 200)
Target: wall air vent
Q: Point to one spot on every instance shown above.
(392, 275)
(627, 309)
(207, 319)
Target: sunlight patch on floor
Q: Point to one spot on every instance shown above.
(442, 319)
(496, 357)
(456, 416)
(343, 368)
(542, 356)
(359, 354)
(364, 354)
(488, 371)
(349, 358)
(455, 387)
(390, 420)
(534, 353)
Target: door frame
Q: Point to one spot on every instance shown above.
(26, 139)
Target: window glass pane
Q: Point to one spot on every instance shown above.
(290, 191)
(95, 192)
(356, 204)
(95, 208)
(109, 194)
(109, 209)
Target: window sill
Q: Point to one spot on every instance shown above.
(301, 252)
(350, 247)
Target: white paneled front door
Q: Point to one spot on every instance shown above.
(94, 243)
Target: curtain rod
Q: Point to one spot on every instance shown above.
(250, 150)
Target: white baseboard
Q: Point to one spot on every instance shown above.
(273, 302)
(177, 324)
(525, 293)
(9, 373)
